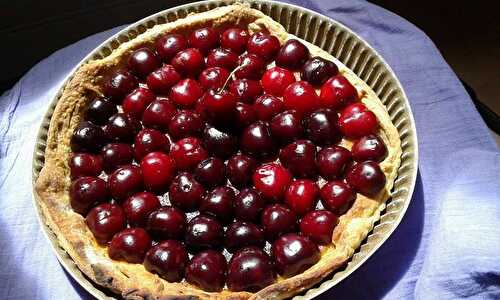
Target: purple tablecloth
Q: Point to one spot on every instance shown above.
(446, 246)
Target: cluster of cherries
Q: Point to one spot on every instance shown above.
(198, 146)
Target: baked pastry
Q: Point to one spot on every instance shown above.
(216, 156)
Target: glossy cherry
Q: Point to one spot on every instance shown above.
(125, 182)
(370, 147)
(267, 106)
(318, 225)
(143, 61)
(130, 245)
(211, 172)
(105, 220)
(188, 62)
(235, 39)
(213, 77)
(219, 143)
(158, 170)
(185, 192)
(87, 137)
(116, 155)
(292, 55)
(219, 107)
(293, 254)
(357, 121)
(287, 126)
(256, 140)
(167, 259)
(318, 70)
(122, 127)
(85, 164)
(169, 45)
(251, 66)
(299, 158)
(321, 127)
(219, 203)
(85, 191)
(184, 124)
(166, 223)
(248, 205)
(276, 79)
(250, 269)
(264, 45)
(302, 196)
(150, 140)
(337, 92)
(100, 110)
(186, 92)
(204, 232)
(239, 169)
(333, 161)
(277, 219)
(302, 97)
(246, 90)
(138, 207)
(207, 270)
(271, 180)
(337, 196)
(158, 114)
(366, 177)
(188, 153)
(120, 84)
(243, 234)
(204, 39)
(245, 115)
(223, 58)
(162, 79)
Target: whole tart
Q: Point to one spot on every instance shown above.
(288, 155)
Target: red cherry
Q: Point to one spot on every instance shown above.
(223, 58)
(138, 207)
(245, 115)
(337, 196)
(185, 192)
(337, 92)
(300, 158)
(204, 39)
(243, 234)
(318, 225)
(188, 153)
(264, 45)
(256, 140)
(158, 114)
(250, 269)
(122, 127)
(162, 79)
(143, 61)
(218, 107)
(287, 126)
(125, 182)
(158, 170)
(116, 155)
(150, 140)
(333, 161)
(186, 92)
(219, 203)
(317, 70)
(239, 169)
(85, 164)
(120, 84)
(246, 90)
(356, 121)
(302, 97)
(100, 110)
(302, 196)
(293, 254)
(130, 245)
(169, 45)
(367, 178)
(213, 77)
(251, 66)
(321, 127)
(188, 62)
(204, 232)
(136, 102)
(248, 205)
(370, 147)
(211, 172)
(219, 143)
(272, 180)
(105, 220)
(276, 79)
(185, 123)
(166, 223)
(277, 219)
(292, 55)
(87, 137)
(235, 39)
(207, 270)
(167, 259)
(85, 191)
(267, 106)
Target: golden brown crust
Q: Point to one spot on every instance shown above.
(132, 281)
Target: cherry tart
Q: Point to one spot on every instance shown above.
(213, 160)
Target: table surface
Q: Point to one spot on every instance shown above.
(446, 246)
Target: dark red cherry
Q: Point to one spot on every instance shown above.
(188, 62)
(302, 97)
(299, 158)
(162, 79)
(204, 39)
(150, 140)
(366, 177)
(267, 106)
(211, 172)
(207, 270)
(302, 196)
(370, 147)
(264, 45)
(138, 207)
(337, 92)
(158, 170)
(85, 164)
(223, 58)
(275, 80)
(318, 225)
(271, 180)
(245, 115)
(167, 259)
(204, 232)
(357, 121)
(130, 245)
(256, 140)
(122, 127)
(166, 223)
(185, 192)
(116, 155)
(143, 61)
(246, 90)
(287, 126)
(333, 161)
(243, 234)
(119, 85)
(218, 106)
(240, 169)
(105, 220)
(248, 205)
(235, 39)
(158, 114)
(277, 219)
(125, 182)
(251, 270)
(87, 137)
(321, 127)
(85, 191)
(213, 77)
(251, 66)
(169, 45)
(100, 110)
(186, 92)
(219, 143)
(317, 70)
(293, 254)
(337, 196)
(219, 203)
(188, 153)
(185, 123)
(292, 55)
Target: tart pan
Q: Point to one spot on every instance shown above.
(332, 37)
